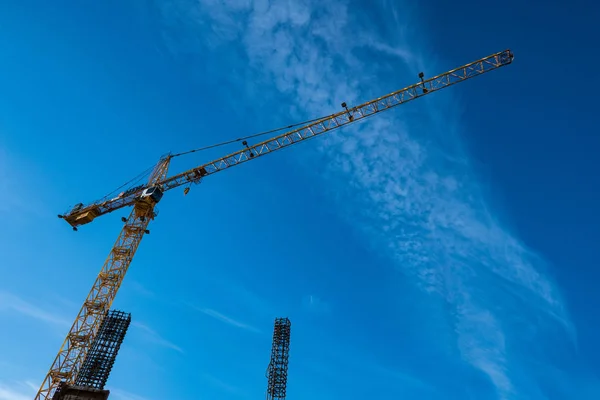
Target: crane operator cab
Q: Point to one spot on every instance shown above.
(147, 200)
(151, 195)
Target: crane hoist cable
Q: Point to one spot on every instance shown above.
(143, 199)
(131, 183)
(255, 135)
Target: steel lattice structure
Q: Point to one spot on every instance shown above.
(67, 363)
(338, 120)
(278, 366)
(100, 359)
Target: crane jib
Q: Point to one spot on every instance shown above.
(84, 215)
(342, 118)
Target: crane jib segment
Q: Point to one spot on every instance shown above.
(72, 353)
(86, 214)
(342, 118)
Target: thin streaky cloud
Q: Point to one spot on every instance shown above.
(228, 320)
(156, 338)
(16, 391)
(244, 297)
(9, 301)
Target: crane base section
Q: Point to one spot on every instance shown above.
(68, 392)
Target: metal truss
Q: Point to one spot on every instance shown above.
(79, 340)
(278, 366)
(309, 131)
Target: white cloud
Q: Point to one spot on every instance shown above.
(418, 201)
(17, 391)
(224, 318)
(154, 337)
(9, 301)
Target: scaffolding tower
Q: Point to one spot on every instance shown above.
(278, 366)
(100, 359)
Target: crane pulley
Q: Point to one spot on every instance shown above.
(144, 198)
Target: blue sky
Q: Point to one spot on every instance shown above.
(443, 250)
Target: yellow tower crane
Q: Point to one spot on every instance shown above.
(144, 198)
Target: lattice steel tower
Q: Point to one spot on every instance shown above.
(101, 357)
(278, 366)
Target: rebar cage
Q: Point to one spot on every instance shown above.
(100, 359)
(278, 366)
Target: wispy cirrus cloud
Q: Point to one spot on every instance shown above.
(17, 390)
(226, 319)
(413, 192)
(9, 301)
(156, 338)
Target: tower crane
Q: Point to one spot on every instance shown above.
(144, 198)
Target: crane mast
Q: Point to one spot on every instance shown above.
(144, 198)
(72, 353)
